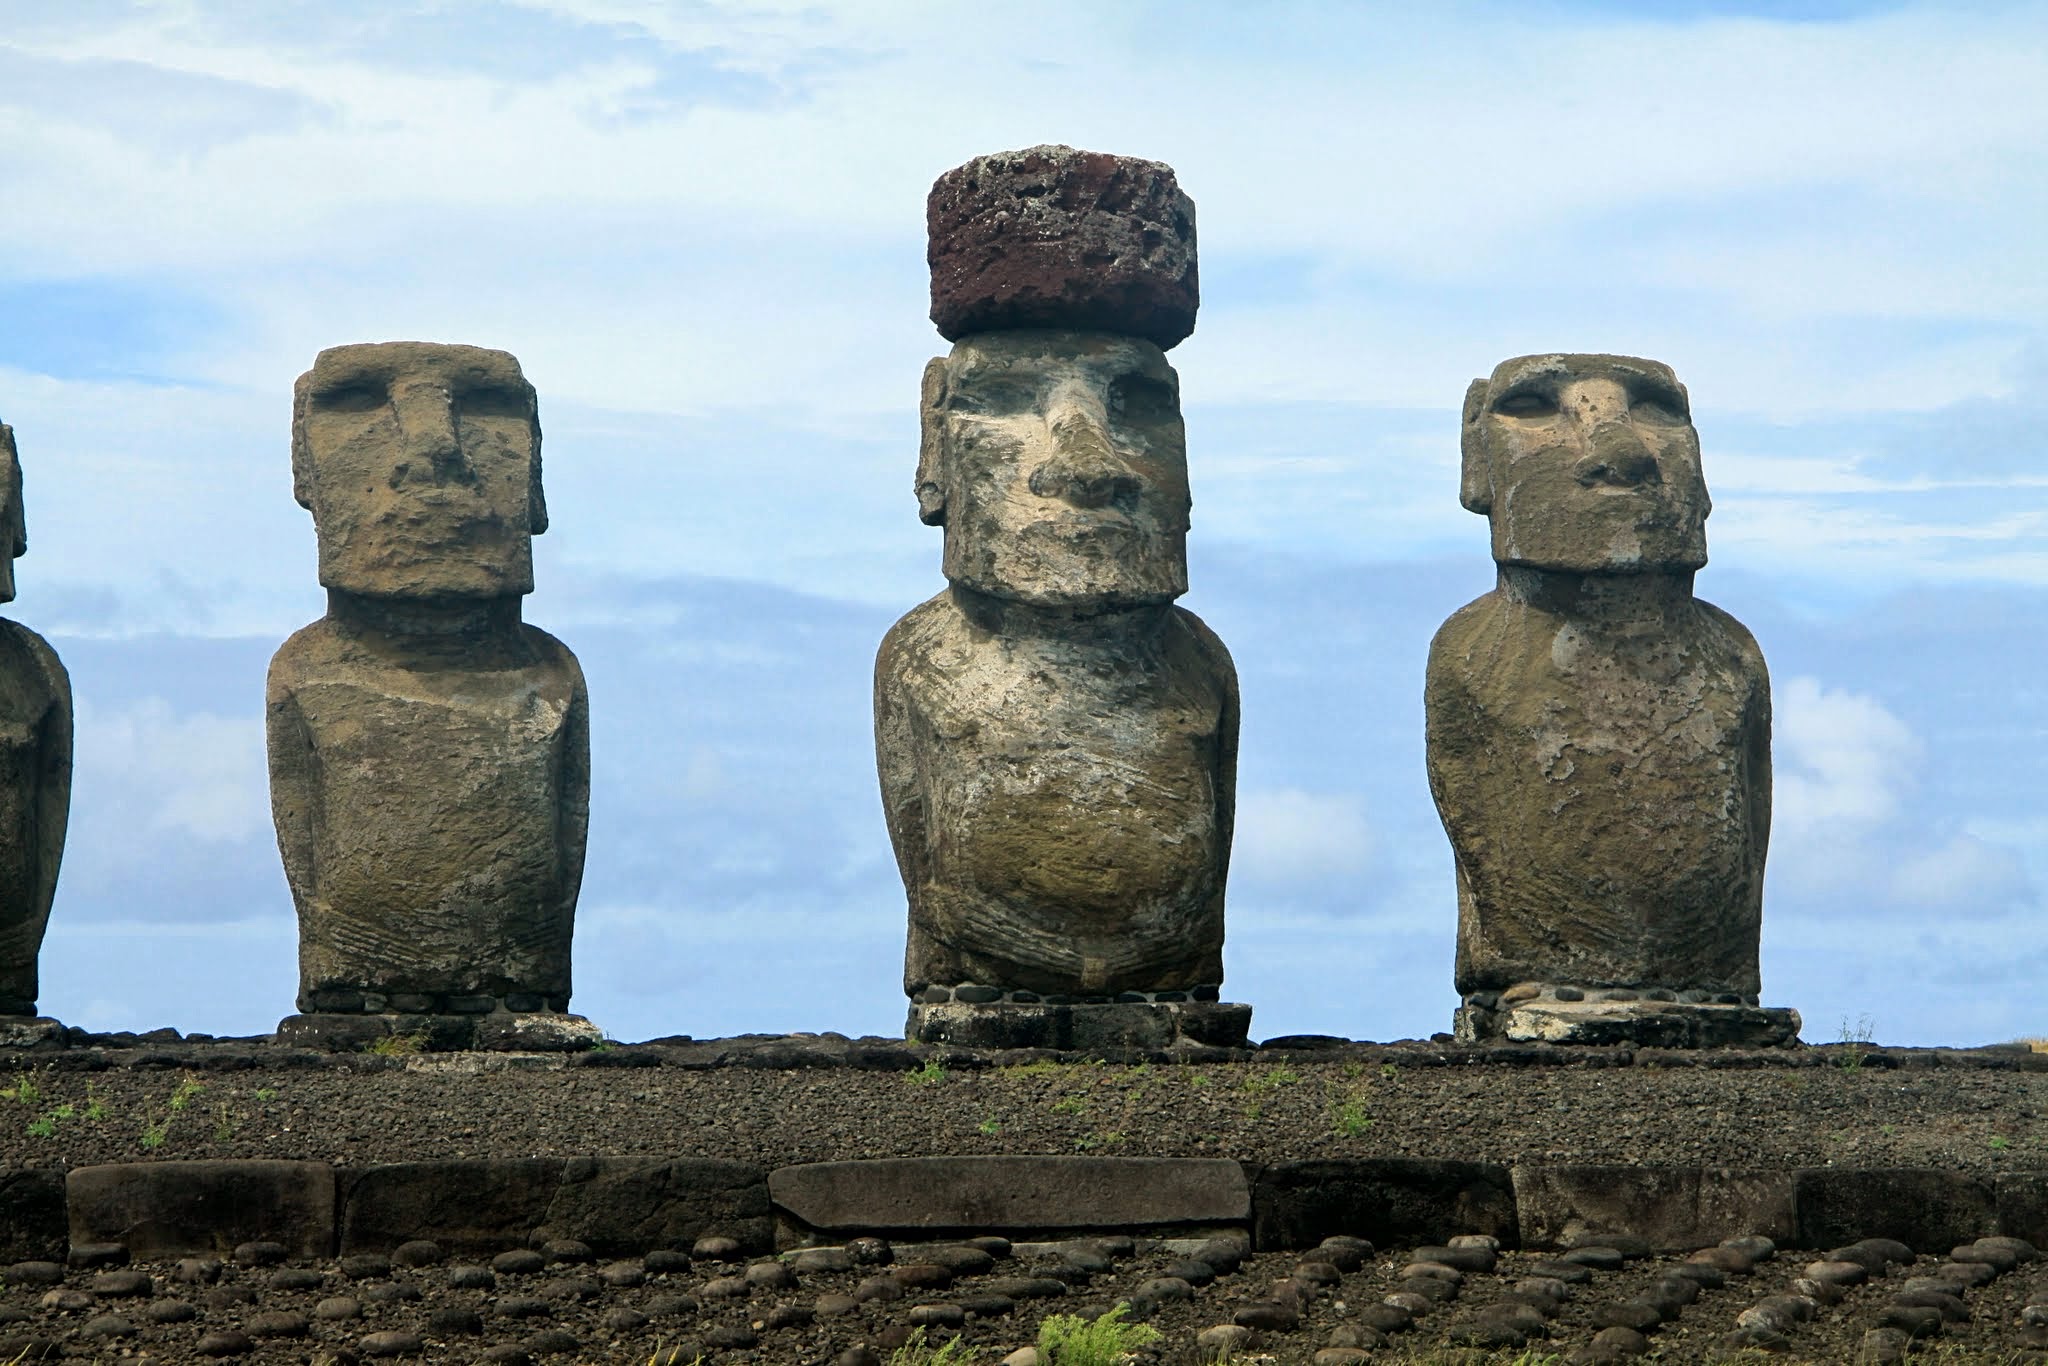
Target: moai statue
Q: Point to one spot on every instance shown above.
(429, 752)
(1599, 738)
(1057, 741)
(35, 772)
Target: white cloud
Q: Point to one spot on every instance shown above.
(1286, 835)
(154, 771)
(1850, 817)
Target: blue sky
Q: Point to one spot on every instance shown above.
(700, 227)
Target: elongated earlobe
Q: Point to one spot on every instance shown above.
(302, 455)
(931, 494)
(1475, 470)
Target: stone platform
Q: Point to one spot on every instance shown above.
(501, 1031)
(1566, 1016)
(1083, 1027)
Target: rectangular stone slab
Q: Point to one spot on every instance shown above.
(1011, 1194)
(1674, 1209)
(1926, 1209)
(618, 1205)
(1389, 1200)
(164, 1209)
(2023, 1206)
(33, 1224)
(622, 1206)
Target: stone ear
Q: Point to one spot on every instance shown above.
(13, 519)
(536, 501)
(1475, 468)
(931, 436)
(302, 453)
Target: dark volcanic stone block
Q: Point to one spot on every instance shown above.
(1011, 1195)
(470, 1206)
(1673, 1209)
(1925, 1209)
(2023, 1206)
(1058, 238)
(33, 1224)
(1389, 1200)
(626, 1205)
(1082, 1028)
(159, 1209)
(617, 1205)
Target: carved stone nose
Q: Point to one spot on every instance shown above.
(430, 449)
(1617, 458)
(1084, 470)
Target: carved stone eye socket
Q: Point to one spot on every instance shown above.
(1527, 403)
(995, 398)
(359, 396)
(492, 401)
(1140, 399)
(1658, 407)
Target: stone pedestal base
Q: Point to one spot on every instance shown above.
(498, 1032)
(26, 1031)
(1646, 1023)
(1080, 1027)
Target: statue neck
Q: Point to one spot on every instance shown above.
(475, 630)
(1625, 602)
(1070, 625)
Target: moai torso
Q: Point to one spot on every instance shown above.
(35, 766)
(35, 792)
(1060, 806)
(1608, 794)
(429, 752)
(1599, 739)
(439, 810)
(1057, 741)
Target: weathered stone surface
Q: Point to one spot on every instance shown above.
(1057, 742)
(625, 1205)
(2023, 1206)
(34, 1225)
(1014, 1195)
(1650, 1024)
(1081, 1027)
(1925, 1209)
(1598, 738)
(1672, 1209)
(35, 765)
(1390, 1200)
(167, 1209)
(1051, 237)
(429, 753)
(615, 1205)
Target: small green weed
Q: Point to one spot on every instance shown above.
(1349, 1118)
(990, 1126)
(932, 1073)
(1042, 1067)
(1198, 1080)
(398, 1045)
(266, 1094)
(918, 1352)
(1999, 1143)
(1857, 1037)
(1070, 1340)
(1070, 1105)
(155, 1131)
(24, 1091)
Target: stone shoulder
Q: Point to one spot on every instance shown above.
(31, 644)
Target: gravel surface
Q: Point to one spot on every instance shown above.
(563, 1306)
(781, 1101)
(185, 1105)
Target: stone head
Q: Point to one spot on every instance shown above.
(1057, 463)
(13, 524)
(421, 466)
(1586, 464)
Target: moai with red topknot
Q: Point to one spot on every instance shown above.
(1057, 741)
